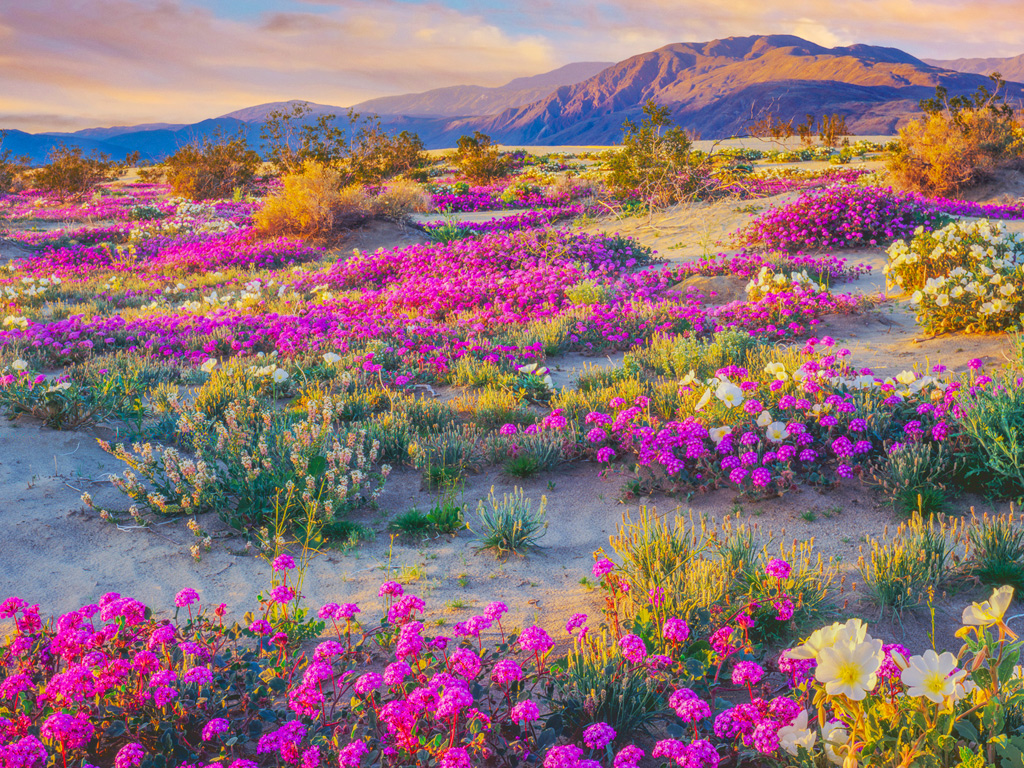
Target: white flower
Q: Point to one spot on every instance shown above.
(849, 668)
(796, 735)
(854, 631)
(279, 375)
(687, 379)
(703, 400)
(917, 297)
(932, 676)
(209, 366)
(777, 431)
(19, 365)
(730, 394)
(942, 300)
(837, 740)
(991, 611)
(764, 419)
(718, 433)
(330, 358)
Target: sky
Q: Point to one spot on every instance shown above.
(70, 64)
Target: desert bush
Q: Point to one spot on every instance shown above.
(376, 155)
(511, 525)
(995, 549)
(444, 517)
(313, 203)
(291, 140)
(656, 163)
(914, 475)
(479, 160)
(253, 463)
(444, 456)
(11, 168)
(398, 199)
(960, 142)
(70, 173)
(992, 420)
(899, 571)
(211, 168)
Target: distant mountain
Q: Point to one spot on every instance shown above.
(1011, 68)
(261, 112)
(475, 100)
(715, 89)
(718, 89)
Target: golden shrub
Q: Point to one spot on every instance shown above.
(313, 203)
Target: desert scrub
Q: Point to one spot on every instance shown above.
(399, 199)
(253, 459)
(669, 556)
(70, 403)
(900, 570)
(958, 143)
(993, 422)
(446, 455)
(914, 474)
(510, 525)
(964, 277)
(313, 202)
(995, 549)
(679, 356)
(211, 168)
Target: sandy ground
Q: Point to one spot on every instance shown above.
(55, 551)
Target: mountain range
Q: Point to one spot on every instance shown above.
(714, 89)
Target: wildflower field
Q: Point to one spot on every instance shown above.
(514, 489)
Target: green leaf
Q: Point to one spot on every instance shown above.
(317, 466)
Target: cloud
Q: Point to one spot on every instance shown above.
(144, 60)
(125, 61)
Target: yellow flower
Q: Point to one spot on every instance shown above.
(849, 668)
(991, 611)
(932, 676)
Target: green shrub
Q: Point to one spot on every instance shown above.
(479, 160)
(993, 423)
(511, 525)
(211, 168)
(913, 475)
(995, 551)
(599, 686)
(69, 173)
(656, 164)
